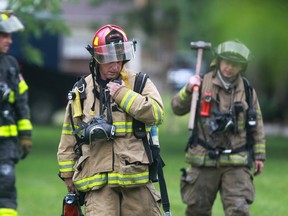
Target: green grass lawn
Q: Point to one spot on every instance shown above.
(40, 191)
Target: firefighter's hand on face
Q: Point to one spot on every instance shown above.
(69, 184)
(258, 167)
(25, 144)
(114, 86)
(194, 81)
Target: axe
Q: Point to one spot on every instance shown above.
(199, 46)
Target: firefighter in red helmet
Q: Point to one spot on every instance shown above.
(98, 153)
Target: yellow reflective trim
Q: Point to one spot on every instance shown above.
(241, 124)
(259, 114)
(225, 159)
(90, 182)
(11, 98)
(127, 100)
(194, 159)
(23, 87)
(8, 130)
(61, 163)
(128, 179)
(66, 170)
(122, 127)
(233, 159)
(126, 127)
(183, 94)
(112, 179)
(158, 112)
(66, 166)
(24, 124)
(8, 212)
(66, 132)
(67, 129)
(259, 148)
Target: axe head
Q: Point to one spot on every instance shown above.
(200, 45)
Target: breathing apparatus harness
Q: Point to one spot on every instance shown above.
(224, 122)
(97, 127)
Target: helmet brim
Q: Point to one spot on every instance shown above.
(233, 57)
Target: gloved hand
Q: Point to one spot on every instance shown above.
(25, 144)
(194, 80)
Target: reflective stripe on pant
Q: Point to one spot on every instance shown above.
(8, 194)
(138, 201)
(8, 212)
(199, 189)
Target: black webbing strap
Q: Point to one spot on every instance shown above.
(139, 128)
(250, 116)
(163, 188)
(140, 132)
(205, 145)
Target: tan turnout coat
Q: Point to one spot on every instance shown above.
(197, 154)
(121, 161)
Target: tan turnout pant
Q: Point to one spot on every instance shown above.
(118, 201)
(201, 185)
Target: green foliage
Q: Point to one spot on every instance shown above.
(170, 26)
(260, 25)
(38, 17)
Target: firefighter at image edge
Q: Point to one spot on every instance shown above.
(15, 125)
(228, 138)
(109, 164)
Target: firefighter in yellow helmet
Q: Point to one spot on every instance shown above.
(15, 125)
(98, 154)
(228, 138)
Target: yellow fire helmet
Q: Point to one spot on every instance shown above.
(9, 23)
(233, 51)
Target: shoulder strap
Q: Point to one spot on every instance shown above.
(139, 128)
(140, 81)
(251, 116)
(77, 98)
(140, 132)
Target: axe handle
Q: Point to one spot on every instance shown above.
(195, 93)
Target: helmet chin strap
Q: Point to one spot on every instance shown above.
(226, 81)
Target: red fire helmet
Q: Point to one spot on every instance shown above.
(111, 44)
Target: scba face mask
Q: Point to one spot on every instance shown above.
(98, 129)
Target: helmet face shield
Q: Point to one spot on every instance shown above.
(114, 52)
(10, 24)
(233, 51)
